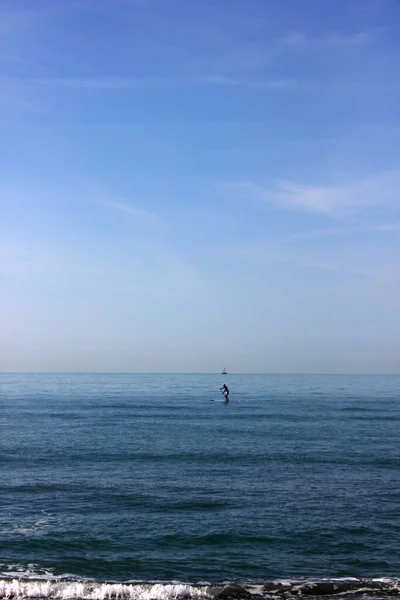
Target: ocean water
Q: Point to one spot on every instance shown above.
(143, 487)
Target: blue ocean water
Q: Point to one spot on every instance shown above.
(141, 486)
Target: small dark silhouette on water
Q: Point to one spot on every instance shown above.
(225, 390)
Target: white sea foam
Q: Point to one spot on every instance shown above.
(67, 590)
(29, 571)
(80, 589)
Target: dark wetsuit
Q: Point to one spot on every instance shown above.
(225, 391)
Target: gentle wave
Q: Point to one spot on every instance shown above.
(68, 590)
(56, 589)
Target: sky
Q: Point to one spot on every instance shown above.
(192, 184)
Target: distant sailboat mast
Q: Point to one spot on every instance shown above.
(224, 371)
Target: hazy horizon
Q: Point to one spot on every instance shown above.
(224, 378)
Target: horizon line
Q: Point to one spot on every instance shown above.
(335, 373)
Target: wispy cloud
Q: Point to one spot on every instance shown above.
(129, 209)
(125, 83)
(334, 232)
(356, 254)
(332, 38)
(341, 231)
(382, 190)
(339, 263)
(271, 84)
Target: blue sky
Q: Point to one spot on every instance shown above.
(191, 184)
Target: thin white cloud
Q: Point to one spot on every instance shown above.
(341, 231)
(341, 264)
(336, 39)
(345, 231)
(125, 83)
(270, 84)
(128, 209)
(382, 190)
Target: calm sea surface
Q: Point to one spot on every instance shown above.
(141, 486)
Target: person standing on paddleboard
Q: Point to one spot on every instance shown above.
(224, 389)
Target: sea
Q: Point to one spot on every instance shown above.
(151, 487)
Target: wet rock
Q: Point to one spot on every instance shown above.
(233, 591)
